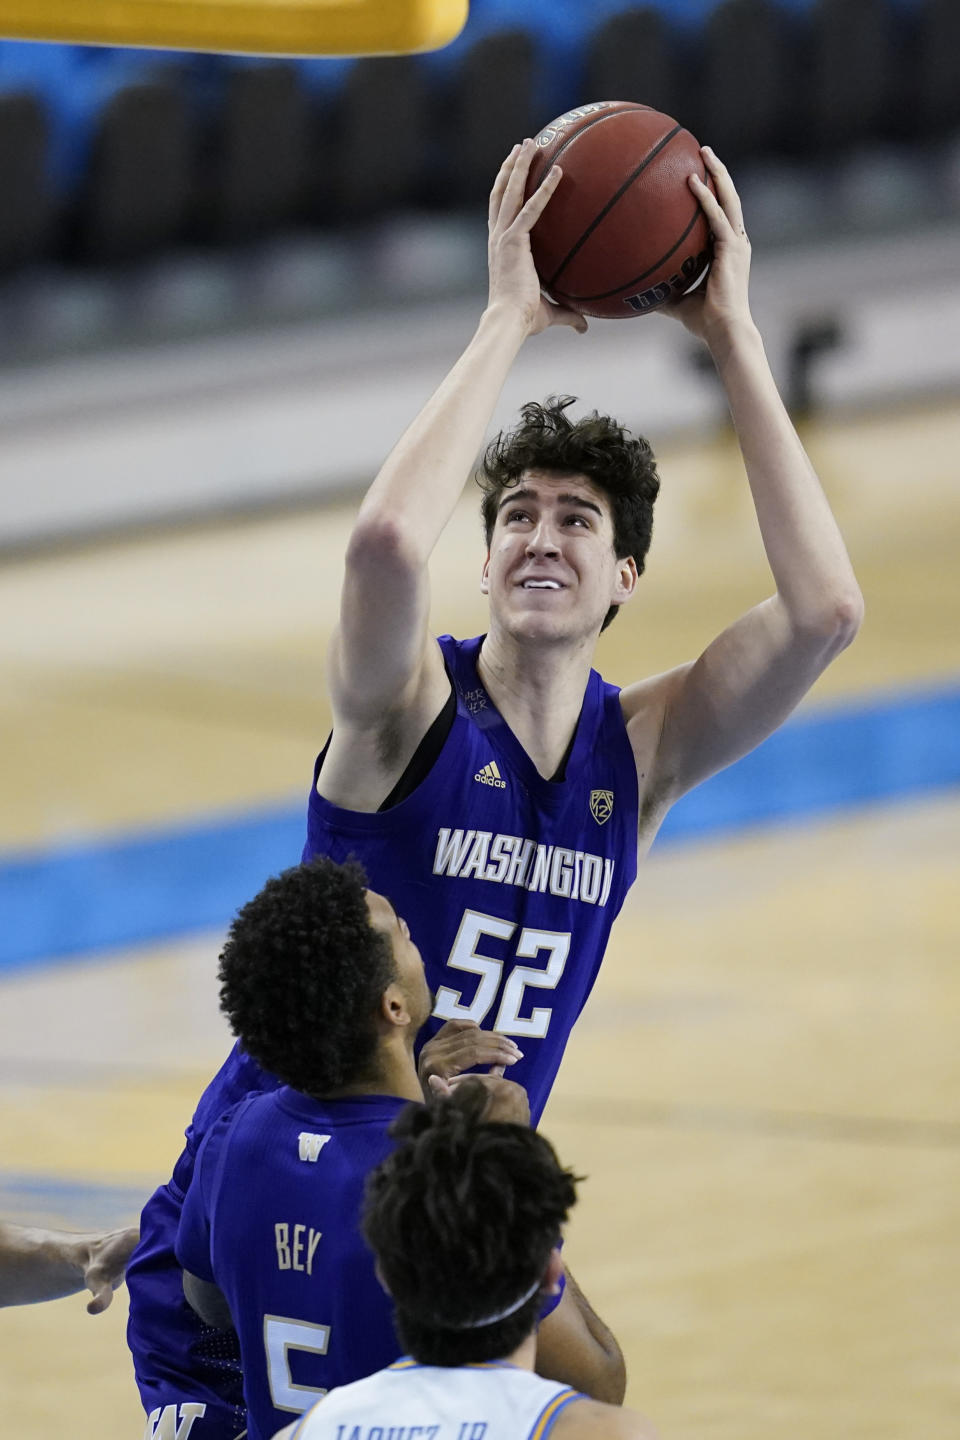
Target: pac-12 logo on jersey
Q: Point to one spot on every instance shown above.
(490, 775)
(601, 805)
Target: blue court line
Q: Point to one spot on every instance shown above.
(142, 888)
(29, 1199)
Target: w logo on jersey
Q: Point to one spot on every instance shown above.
(173, 1422)
(601, 805)
(311, 1145)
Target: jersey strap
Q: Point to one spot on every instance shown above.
(546, 1420)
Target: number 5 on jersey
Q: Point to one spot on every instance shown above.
(465, 955)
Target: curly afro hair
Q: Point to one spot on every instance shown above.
(302, 973)
(621, 465)
(462, 1218)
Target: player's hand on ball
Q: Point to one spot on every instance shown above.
(723, 301)
(104, 1261)
(461, 1045)
(507, 1102)
(513, 276)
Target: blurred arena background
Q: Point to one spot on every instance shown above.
(226, 287)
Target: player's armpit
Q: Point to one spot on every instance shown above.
(575, 1347)
(208, 1301)
(364, 760)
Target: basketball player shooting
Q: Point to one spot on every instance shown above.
(497, 788)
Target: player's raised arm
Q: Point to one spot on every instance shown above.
(382, 663)
(749, 679)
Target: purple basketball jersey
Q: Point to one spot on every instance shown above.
(272, 1218)
(510, 883)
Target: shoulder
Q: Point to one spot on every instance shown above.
(227, 1126)
(238, 1076)
(592, 1420)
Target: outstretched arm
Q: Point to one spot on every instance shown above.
(709, 713)
(38, 1265)
(386, 675)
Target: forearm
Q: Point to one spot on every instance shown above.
(37, 1265)
(809, 561)
(422, 479)
(576, 1347)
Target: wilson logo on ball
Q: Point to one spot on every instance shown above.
(556, 127)
(694, 272)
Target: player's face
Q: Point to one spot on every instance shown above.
(410, 972)
(552, 572)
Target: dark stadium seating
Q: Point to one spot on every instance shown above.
(26, 214)
(135, 190)
(935, 98)
(376, 146)
(254, 152)
(109, 155)
(632, 55)
(478, 133)
(852, 78)
(748, 91)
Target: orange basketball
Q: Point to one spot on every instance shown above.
(623, 233)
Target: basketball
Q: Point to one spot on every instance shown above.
(623, 234)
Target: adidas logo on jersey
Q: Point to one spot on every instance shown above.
(490, 775)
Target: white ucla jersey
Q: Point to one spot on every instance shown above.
(408, 1401)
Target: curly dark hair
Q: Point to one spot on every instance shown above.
(462, 1218)
(302, 973)
(620, 464)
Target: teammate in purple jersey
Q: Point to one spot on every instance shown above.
(324, 986)
(497, 789)
(187, 1371)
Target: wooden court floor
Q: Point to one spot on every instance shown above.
(763, 1091)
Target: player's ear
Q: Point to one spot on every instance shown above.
(379, 1274)
(485, 576)
(626, 583)
(394, 1007)
(553, 1272)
